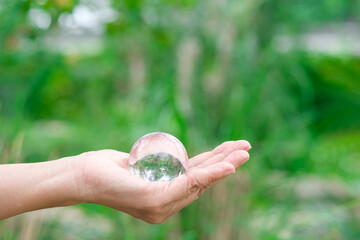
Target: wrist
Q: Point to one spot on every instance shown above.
(80, 188)
(84, 183)
(63, 181)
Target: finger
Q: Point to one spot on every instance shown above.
(191, 187)
(187, 188)
(237, 158)
(206, 155)
(227, 146)
(197, 180)
(219, 153)
(225, 149)
(215, 173)
(195, 161)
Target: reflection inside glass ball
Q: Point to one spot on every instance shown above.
(158, 157)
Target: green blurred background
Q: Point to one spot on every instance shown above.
(85, 75)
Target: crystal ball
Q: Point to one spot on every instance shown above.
(158, 157)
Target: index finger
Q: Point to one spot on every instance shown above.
(219, 153)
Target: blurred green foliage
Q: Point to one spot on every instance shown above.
(206, 72)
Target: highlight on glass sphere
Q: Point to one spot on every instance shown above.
(158, 157)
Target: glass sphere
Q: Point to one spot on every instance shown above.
(158, 157)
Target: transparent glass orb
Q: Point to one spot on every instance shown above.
(158, 157)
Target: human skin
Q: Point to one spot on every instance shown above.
(102, 177)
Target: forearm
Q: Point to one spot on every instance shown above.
(102, 177)
(32, 186)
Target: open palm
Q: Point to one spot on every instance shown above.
(109, 182)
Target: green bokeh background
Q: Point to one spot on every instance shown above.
(206, 71)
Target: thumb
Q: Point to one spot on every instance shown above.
(192, 184)
(201, 179)
(188, 187)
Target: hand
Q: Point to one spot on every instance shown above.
(106, 180)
